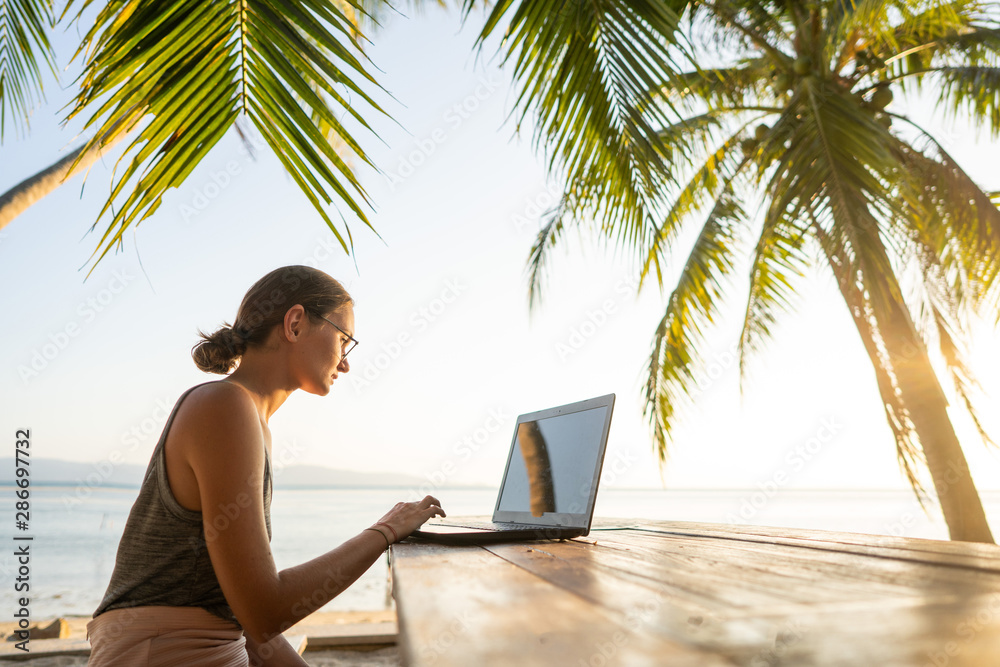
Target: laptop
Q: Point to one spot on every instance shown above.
(550, 483)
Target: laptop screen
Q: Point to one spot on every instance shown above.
(554, 466)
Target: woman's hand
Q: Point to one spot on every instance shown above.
(405, 518)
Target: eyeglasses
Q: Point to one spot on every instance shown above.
(349, 344)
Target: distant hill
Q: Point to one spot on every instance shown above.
(71, 473)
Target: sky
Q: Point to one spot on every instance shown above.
(449, 353)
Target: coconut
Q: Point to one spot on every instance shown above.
(760, 133)
(802, 65)
(882, 98)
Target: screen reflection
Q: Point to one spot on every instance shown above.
(553, 464)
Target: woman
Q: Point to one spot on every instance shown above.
(194, 580)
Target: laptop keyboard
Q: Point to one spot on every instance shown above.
(477, 525)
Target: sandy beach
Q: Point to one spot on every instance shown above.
(313, 625)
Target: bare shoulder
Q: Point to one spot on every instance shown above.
(219, 420)
(219, 399)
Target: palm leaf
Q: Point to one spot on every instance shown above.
(958, 221)
(748, 26)
(835, 171)
(547, 238)
(779, 259)
(745, 83)
(692, 305)
(585, 69)
(955, 247)
(978, 45)
(179, 73)
(24, 48)
(943, 307)
(924, 23)
(717, 171)
(972, 93)
(966, 383)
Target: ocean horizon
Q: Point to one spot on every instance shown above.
(76, 534)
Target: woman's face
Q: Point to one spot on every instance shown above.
(324, 349)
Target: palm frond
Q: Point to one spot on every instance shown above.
(843, 195)
(779, 259)
(897, 41)
(924, 23)
(943, 307)
(955, 249)
(858, 17)
(715, 173)
(742, 26)
(181, 72)
(971, 93)
(852, 26)
(585, 70)
(893, 30)
(547, 238)
(692, 304)
(965, 381)
(845, 22)
(745, 83)
(690, 137)
(844, 187)
(976, 46)
(24, 49)
(957, 219)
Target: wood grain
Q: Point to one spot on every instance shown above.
(656, 592)
(464, 606)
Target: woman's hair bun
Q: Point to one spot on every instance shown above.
(219, 352)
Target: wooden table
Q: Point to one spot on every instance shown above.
(686, 594)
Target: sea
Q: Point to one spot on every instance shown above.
(76, 531)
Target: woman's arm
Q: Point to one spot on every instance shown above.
(225, 449)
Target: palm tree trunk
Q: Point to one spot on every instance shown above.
(927, 407)
(918, 390)
(539, 468)
(19, 198)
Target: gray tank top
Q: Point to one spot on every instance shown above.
(162, 557)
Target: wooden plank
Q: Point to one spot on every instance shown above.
(664, 608)
(728, 578)
(944, 547)
(703, 582)
(618, 588)
(960, 630)
(465, 606)
(352, 634)
(959, 633)
(955, 554)
(821, 570)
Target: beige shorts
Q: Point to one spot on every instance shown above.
(158, 636)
